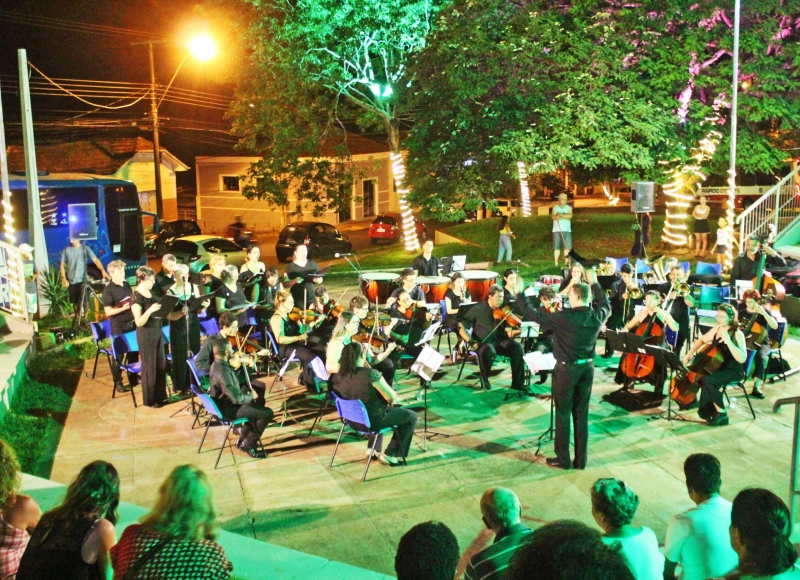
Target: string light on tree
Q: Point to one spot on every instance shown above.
(409, 230)
(524, 192)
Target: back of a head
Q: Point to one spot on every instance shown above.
(568, 550)
(93, 493)
(703, 473)
(428, 551)
(763, 524)
(500, 507)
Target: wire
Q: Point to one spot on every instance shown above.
(69, 25)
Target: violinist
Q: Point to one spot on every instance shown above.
(408, 283)
(412, 320)
(231, 294)
(619, 296)
(300, 275)
(359, 306)
(745, 266)
(576, 274)
(757, 323)
(289, 338)
(729, 341)
(679, 300)
(229, 329)
(348, 326)
(490, 337)
(456, 295)
(253, 267)
(650, 323)
(321, 305)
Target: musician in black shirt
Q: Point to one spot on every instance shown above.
(745, 266)
(408, 282)
(426, 264)
(165, 279)
(490, 337)
(575, 333)
(117, 301)
(619, 298)
(679, 305)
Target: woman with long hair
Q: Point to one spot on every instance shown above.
(150, 339)
(176, 539)
(726, 336)
(289, 338)
(576, 274)
(700, 215)
(357, 381)
(72, 541)
(506, 235)
(347, 326)
(252, 267)
(19, 516)
(297, 275)
(613, 507)
(760, 529)
(184, 328)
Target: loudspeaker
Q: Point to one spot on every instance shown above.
(82, 221)
(642, 196)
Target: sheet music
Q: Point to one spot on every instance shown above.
(538, 362)
(427, 363)
(428, 335)
(529, 329)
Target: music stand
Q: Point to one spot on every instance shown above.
(670, 360)
(426, 365)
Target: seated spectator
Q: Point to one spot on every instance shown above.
(567, 550)
(760, 528)
(501, 514)
(698, 538)
(20, 513)
(176, 539)
(72, 541)
(613, 507)
(428, 551)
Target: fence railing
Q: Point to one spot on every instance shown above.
(778, 207)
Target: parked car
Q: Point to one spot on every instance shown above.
(388, 227)
(506, 206)
(196, 251)
(158, 243)
(321, 238)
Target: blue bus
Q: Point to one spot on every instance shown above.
(118, 214)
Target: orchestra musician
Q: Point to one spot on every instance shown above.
(679, 302)
(150, 339)
(322, 303)
(231, 294)
(359, 306)
(347, 326)
(456, 295)
(166, 277)
(297, 273)
(619, 297)
(649, 322)
(408, 283)
(491, 337)
(184, 334)
(729, 341)
(426, 264)
(289, 337)
(510, 279)
(253, 267)
(212, 282)
(412, 320)
(745, 266)
(266, 299)
(117, 301)
(576, 274)
(751, 309)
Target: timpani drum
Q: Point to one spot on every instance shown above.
(378, 286)
(549, 280)
(478, 282)
(435, 287)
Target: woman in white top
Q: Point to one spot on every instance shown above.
(613, 507)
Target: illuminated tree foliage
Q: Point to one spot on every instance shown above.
(319, 67)
(612, 87)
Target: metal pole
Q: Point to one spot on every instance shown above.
(9, 226)
(156, 146)
(734, 122)
(35, 226)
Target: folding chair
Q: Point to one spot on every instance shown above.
(165, 331)
(470, 353)
(100, 331)
(257, 333)
(748, 370)
(354, 415)
(778, 337)
(208, 326)
(121, 346)
(280, 364)
(443, 330)
(706, 269)
(212, 409)
(321, 374)
(196, 377)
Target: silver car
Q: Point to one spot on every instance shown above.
(196, 251)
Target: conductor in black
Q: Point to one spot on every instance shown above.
(575, 331)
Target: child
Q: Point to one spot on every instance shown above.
(723, 240)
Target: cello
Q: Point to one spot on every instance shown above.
(683, 388)
(638, 366)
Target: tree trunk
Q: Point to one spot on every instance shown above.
(399, 172)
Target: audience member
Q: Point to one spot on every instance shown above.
(20, 513)
(567, 550)
(428, 551)
(176, 539)
(760, 528)
(501, 513)
(613, 507)
(72, 541)
(698, 538)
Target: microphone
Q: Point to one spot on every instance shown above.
(338, 255)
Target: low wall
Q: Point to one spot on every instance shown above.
(16, 348)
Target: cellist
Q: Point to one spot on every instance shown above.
(648, 322)
(756, 320)
(729, 341)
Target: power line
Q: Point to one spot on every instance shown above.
(72, 26)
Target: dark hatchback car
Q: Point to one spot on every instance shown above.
(159, 242)
(322, 239)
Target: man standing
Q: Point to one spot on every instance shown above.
(501, 513)
(117, 300)
(679, 305)
(490, 337)
(745, 266)
(575, 333)
(426, 264)
(698, 539)
(562, 229)
(73, 270)
(165, 279)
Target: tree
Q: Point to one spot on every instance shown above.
(319, 67)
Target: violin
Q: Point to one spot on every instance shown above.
(332, 309)
(374, 341)
(638, 366)
(506, 314)
(304, 317)
(683, 388)
(370, 321)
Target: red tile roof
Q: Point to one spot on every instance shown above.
(99, 156)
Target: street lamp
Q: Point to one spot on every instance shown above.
(203, 48)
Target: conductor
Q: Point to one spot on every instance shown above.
(575, 333)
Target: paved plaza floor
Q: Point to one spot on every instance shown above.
(293, 499)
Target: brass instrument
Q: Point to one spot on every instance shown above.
(650, 278)
(635, 292)
(682, 290)
(606, 269)
(657, 265)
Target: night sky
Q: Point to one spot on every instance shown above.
(91, 40)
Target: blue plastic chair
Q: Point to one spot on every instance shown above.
(706, 269)
(687, 267)
(713, 296)
(100, 331)
(209, 326)
(274, 357)
(211, 408)
(672, 337)
(748, 370)
(121, 346)
(778, 336)
(165, 332)
(354, 415)
(642, 267)
(619, 262)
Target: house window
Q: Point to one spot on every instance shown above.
(369, 198)
(345, 215)
(230, 183)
